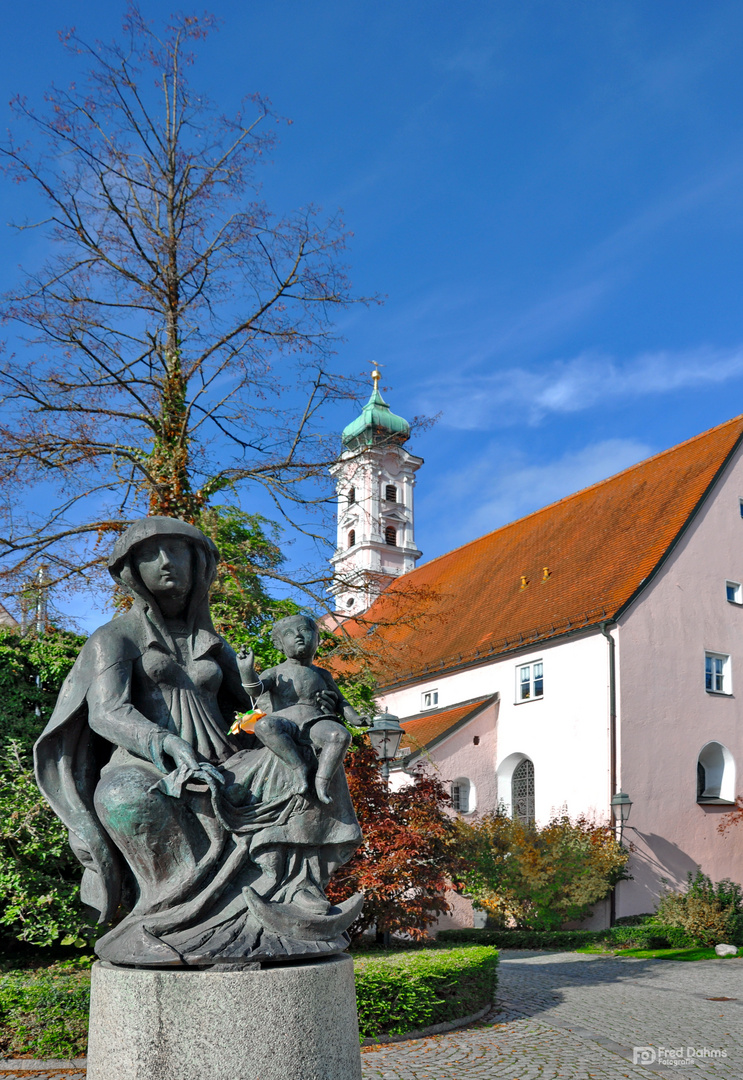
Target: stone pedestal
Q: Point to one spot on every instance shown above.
(288, 1022)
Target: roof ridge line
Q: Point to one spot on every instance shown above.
(574, 494)
(433, 713)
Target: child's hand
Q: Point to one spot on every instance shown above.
(328, 701)
(246, 666)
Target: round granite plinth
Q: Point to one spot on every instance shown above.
(289, 1022)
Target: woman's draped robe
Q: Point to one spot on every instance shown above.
(194, 862)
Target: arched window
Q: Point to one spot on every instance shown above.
(351, 495)
(352, 538)
(390, 536)
(522, 792)
(715, 774)
(390, 493)
(463, 795)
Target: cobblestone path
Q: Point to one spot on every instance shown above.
(565, 1016)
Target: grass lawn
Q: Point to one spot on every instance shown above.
(693, 953)
(44, 1008)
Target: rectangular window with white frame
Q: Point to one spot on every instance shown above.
(717, 678)
(429, 699)
(734, 592)
(530, 681)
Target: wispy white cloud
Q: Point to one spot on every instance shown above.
(520, 395)
(498, 488)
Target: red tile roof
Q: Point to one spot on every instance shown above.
(567, 566)
(421, 731)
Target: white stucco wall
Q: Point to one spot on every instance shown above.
(565, 733)
(469, 753)
(666, 715)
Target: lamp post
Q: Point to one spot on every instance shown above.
(385, 735)
(621, 804)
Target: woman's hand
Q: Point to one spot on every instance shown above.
(183, 755)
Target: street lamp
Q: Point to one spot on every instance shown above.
(385, 735)
(621, 804)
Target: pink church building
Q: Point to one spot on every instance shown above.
(591, 648)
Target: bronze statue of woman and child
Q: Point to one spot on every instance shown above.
(204, 845)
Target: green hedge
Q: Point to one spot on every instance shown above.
(645, 936)
(521, 939)
(44, 1011)
(405, 991)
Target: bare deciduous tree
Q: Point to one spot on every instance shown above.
(162, 342)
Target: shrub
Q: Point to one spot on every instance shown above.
(648, 936)
(39, 875)
(708, 913)
(538, 876)
(406, 858)
(44, 1012)
(635, 920)
(522, 939)
(405, 991)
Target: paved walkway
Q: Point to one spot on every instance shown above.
(565, 1016)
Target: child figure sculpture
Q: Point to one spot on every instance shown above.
(302, 703)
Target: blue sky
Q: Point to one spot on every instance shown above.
(550, 197)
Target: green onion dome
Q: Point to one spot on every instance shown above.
(377, 423)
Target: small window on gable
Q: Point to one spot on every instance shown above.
(734, 591)
(352, 538)
(351, 495)
(715, 774)
(390, 536)
(462, 796)
(717, 673)
(530, 681)
(390, 493)
(429, 699)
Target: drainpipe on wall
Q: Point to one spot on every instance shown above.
(612, 739)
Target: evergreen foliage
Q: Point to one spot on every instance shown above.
(405, 991)
(44, 1011)
(39, 875)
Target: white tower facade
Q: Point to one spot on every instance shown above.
(375, 478)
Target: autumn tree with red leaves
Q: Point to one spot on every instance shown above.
(406, 858)
(176, 343)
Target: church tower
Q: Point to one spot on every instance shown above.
(375, 476)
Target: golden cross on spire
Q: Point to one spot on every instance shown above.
(376, 375)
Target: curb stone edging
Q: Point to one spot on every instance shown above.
(39, 1065)
(434, 1029)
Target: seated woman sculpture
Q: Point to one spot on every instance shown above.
(137, 760)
